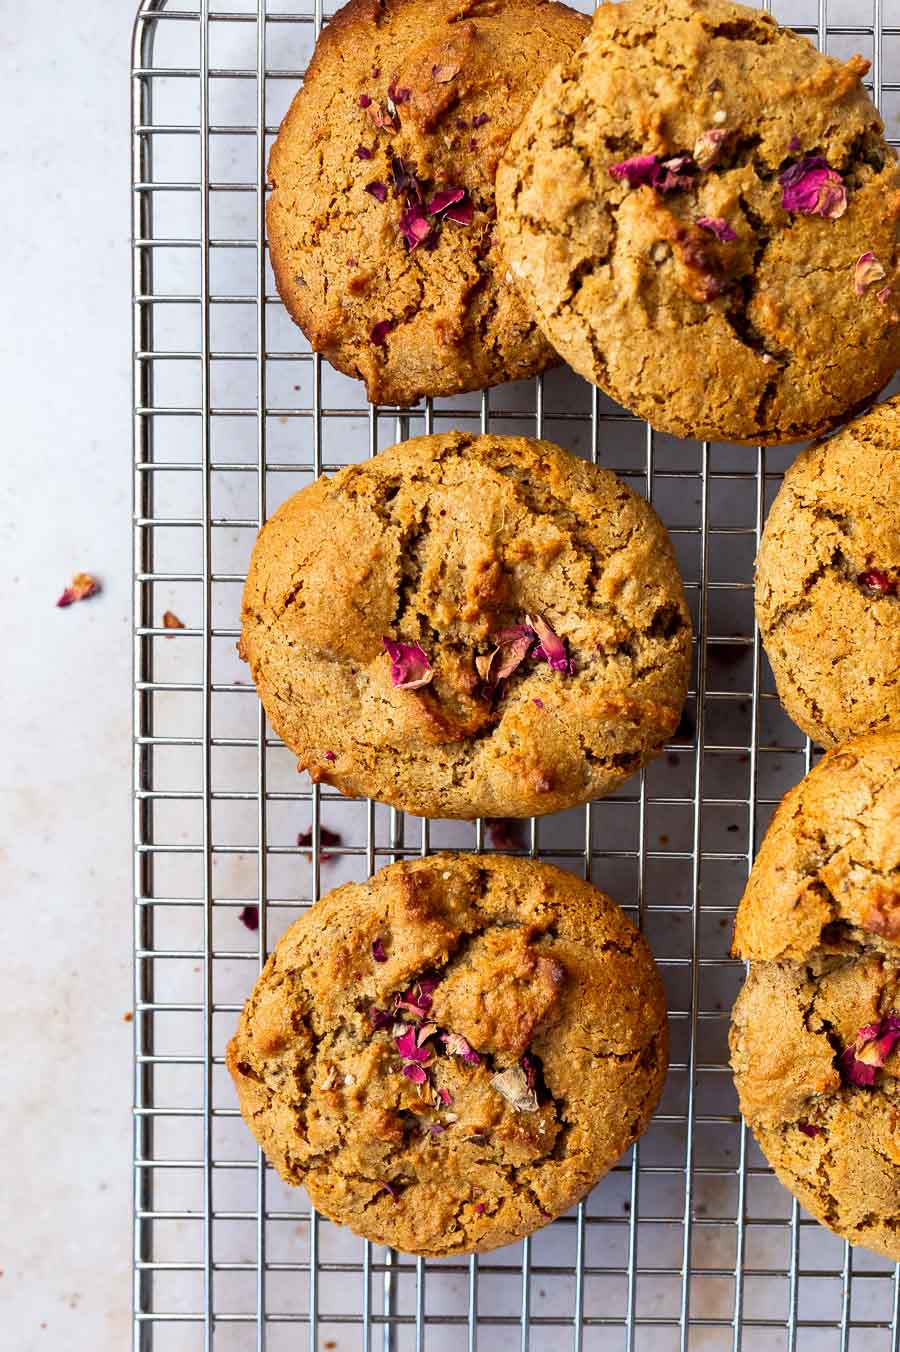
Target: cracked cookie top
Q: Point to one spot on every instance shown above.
(381, 222)
(827, 581)
(453, 1053)
(468, 626)
(701, 212)
(816, 1028)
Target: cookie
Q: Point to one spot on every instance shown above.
(468, 626)
(700, 210)
(381, 220)
(453, 1053)
(815, 1034)
(827, 578)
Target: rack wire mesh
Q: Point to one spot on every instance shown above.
(690, 1242)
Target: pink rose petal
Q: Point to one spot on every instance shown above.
(378, 952)
(363, 153)
(639, 171)
(538, 703)
(445, 1096)
(676, 173)
(364, 101)
(708, 147)
(480, 119)
(415, 1073)
(719, 227)
(410, 667)
(869, 1051)
(877, 581)
(867, 271)
(249, 917)
(377, 190)
(809, 1129)
(415, 226)
(479, 1208)
(812, 188)
(81, 588)
(513, 646)
(444, 199)
(551, 649)
(380, 1018)
(456, 1045)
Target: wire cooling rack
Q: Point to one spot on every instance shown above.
(689, 1243)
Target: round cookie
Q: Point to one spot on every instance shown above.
(381, 223)
(453, 1053)
(815, 1035)
(468, 626)
(700, 211)
(827, 578)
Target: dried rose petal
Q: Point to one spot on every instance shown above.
(810, 1129)
(551, 649)
(480, 119)
(436, 1128)
(408, 1046)
(378, 952)
(678, 174)
(794, 144)
(383, 118)
(81, 588)
(326, 837)
(445, 1096)
(378, 332)
(479, 1208)
(363, 152)
(504, 833)
(380, 1018)
(512, 1085)
(884, 295)
(456, 1045)
(379, 192)
(330, 756)
(812, 188)
(389, 1188)
(410, 667)
(513, 646)
(171, 620)
(415, 226)
(877, 581)
(460, 213)
(718, 226)
(364, 101)
(869, 1051)
(396, 95)
(417, 1000)
(443, 74)
(444, 199)
(708, 147)
(868, 270)
(249, 916)
(530, 1067)
(639, 171)
(538, 703)
(417, 1074)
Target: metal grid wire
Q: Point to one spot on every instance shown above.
(689, 1243)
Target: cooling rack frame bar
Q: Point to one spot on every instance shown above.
(394, 1312)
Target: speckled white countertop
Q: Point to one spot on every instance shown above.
(65, 823)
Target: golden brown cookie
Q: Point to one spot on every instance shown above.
(381, 222)
(701, 210)
(468, 626)
(454, 1052)
(815, 1036)
(827, 578)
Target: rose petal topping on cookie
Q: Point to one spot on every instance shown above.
(530, 1068)
(417, 1000)
(330, 756)
(389, 1188)
(480, 119)
(479, 1208)
(378, 190)
(456, 1045)
(877, 581)
(512, 648)
(414, 226)
(869, 1051)
(551, 648)
(884, 295)
(718, 226)
(249, 916)
(812, 188)
(378, 332)
(410, 667)
(538, 703)
(675, 173)
(383, 118)
(364, 101)
(445, 1097)
(363, 152)
(396, 95)
(809, 1129)
(378, 952)
(444, 199)
(639, 171)
(867, 271)
(380, 1018)
(708, 147)
(461, 213)
(512, 1085)
(794, 144)
(81, 588)
(407, 1045)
